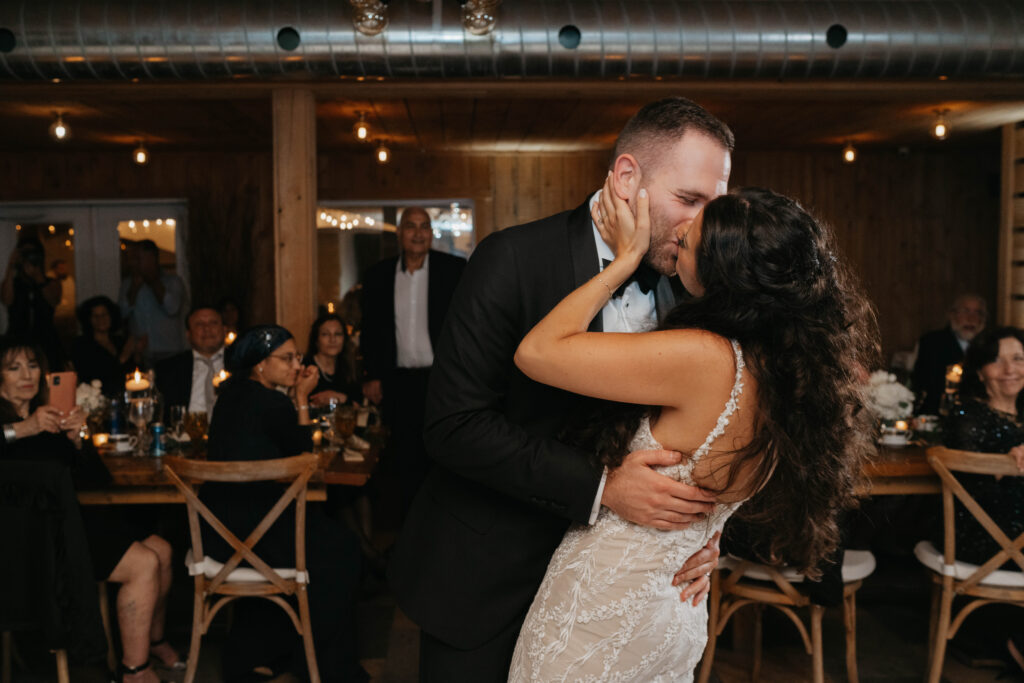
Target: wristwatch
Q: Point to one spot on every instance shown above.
(10, 436)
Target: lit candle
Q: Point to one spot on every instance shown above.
(99, 440)
(318, 437)
(230, 339)
(221, 376)
(901, 425)
(954, 373)
(137, 382)
(330, 307)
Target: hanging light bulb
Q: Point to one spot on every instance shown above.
(480, 16)
(59, 130)
(362, 129)
(383, 153)
(849, 153)
(940, 129)
(140, 155)
(371, 16)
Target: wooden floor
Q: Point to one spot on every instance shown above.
(892, 627)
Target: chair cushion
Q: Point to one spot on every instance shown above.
(929, 556)
(857, 564)
(210, 567)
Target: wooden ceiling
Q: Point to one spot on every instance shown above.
(490, 117)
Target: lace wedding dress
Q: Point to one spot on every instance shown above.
(607, 609)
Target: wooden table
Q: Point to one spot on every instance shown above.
(142, 480)
(899, 471)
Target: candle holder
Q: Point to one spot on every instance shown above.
(895, 433)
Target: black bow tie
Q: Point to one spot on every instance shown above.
(645, 276)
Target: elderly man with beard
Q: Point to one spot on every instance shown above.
(941, 348)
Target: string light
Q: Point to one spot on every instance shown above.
(59, 130)
(849, 153)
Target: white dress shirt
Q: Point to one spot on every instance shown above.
(412, 324)
(634, 311)
(201, 377)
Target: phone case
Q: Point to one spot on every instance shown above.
(62, 390)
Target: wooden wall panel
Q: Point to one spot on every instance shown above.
(917, 229)
(229, 197)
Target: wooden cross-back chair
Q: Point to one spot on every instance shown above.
(738, 583)
(985, 584)
(218, 584)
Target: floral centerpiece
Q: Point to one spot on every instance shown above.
(888, 399)
(892, 403)
(89, 397)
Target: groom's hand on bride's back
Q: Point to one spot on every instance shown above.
(634, 491)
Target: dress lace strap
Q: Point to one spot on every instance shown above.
(730, 405)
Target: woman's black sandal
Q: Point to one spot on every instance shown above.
(125, 670)
(179, 665)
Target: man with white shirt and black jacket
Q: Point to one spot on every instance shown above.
(186, 379)
(404, 302)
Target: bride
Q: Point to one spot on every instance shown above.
(756, 378)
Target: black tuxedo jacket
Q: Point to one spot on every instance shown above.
(174, 379)
(935, 351)
(377, 336)
(488, 517)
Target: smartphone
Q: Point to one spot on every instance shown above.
(62, 390)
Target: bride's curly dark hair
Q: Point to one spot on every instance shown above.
(773, 282)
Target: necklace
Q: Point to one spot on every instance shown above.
(329, 376)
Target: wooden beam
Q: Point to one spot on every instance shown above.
(294, 113)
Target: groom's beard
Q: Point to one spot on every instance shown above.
(662, 254)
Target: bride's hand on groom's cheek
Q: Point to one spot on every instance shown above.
(697, 571)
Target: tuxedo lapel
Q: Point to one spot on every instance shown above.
(583, 253)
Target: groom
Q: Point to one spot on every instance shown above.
(481, 531)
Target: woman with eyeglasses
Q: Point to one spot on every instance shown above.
(254, 419)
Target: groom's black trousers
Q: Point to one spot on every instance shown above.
(489, 663)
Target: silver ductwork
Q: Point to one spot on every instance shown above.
(154, 40)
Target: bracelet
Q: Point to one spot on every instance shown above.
(305, 407)
(9, 434)
(599, 279)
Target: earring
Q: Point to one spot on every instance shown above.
(260, 369)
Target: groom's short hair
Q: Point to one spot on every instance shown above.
(665, 121)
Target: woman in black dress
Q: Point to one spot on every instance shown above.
(102, 352)
(121, 551)
(253, 420)
(990, 419)
(327, 341)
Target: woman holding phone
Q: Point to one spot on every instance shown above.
(122, 551)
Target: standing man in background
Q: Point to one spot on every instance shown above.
(404, 303)
(153, 301)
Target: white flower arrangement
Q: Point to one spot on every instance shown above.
(90, 396)
(887, 398)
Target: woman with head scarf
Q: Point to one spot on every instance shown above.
(254, 419)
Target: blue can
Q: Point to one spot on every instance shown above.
(116, 419)
(159, 446)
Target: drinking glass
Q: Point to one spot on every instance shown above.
(176, 416)
(345, 422)
(140, 414)
(196, 424)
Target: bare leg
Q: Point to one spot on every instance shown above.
(164, 652)
(139, 576)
